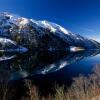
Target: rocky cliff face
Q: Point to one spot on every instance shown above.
(41, 34)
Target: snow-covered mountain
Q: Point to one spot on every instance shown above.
(7, 45)
(41, 34)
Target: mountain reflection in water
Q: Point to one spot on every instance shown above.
(33, 63)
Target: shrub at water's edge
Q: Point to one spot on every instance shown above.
(82, 88)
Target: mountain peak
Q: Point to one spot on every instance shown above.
(42, 34)
(23, 21)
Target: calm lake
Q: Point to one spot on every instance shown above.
(46, 69)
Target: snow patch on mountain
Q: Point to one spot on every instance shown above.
(8, 41)
(45, 24)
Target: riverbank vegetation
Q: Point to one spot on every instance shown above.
(82, 88)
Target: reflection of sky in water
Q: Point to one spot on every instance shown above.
(83, 67)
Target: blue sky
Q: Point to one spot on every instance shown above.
(78, 16)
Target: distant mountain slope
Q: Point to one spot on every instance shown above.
(7, 45)
(41, 34)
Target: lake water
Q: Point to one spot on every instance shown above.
(46, 69)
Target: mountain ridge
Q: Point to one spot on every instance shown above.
(41, 34)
